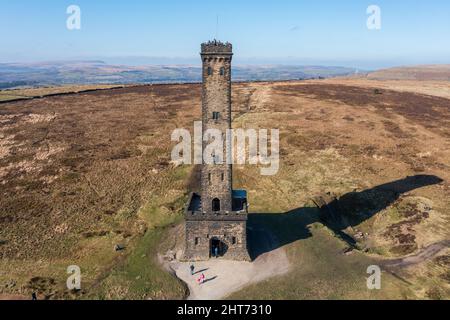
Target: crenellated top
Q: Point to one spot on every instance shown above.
(217, 47)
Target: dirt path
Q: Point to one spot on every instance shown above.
(225, 277)
(424, 255)
(260, 97)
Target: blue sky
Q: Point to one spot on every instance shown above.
(284, 31)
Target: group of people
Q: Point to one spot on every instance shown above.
(201, 279)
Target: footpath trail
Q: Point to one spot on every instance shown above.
(424, 255)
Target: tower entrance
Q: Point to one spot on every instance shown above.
(217, 248)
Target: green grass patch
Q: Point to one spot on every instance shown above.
(141, 276)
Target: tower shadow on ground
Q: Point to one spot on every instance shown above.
(269, 231)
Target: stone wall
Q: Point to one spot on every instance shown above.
(200, 233)
(216, 97)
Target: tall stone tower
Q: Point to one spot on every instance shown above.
(216, 114)
(216, 219)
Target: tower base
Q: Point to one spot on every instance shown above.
(216, 239)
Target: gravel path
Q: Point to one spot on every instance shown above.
(425, 254)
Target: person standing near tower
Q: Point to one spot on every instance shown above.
(216, 252)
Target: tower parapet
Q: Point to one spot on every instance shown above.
(217, 47)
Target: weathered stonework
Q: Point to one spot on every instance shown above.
(216, 220)
(230, 233)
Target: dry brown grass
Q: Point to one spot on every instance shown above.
(432, 87)
(418, 73)
(80, 173)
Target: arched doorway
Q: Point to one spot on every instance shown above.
(217, 248)
(216, 205)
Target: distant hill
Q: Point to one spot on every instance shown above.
(423, 72)
(15, 75)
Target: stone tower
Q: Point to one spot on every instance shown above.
(216, 219)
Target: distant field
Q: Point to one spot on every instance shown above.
(432, 88)
(6, 95)
(421, 73)
(97, 72)
(82, 173)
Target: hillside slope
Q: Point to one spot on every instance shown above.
(81, 173)
(422, 73)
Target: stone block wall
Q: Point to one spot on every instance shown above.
(216, 98)
(232, 234)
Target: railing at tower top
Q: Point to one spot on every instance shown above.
(216, 47)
